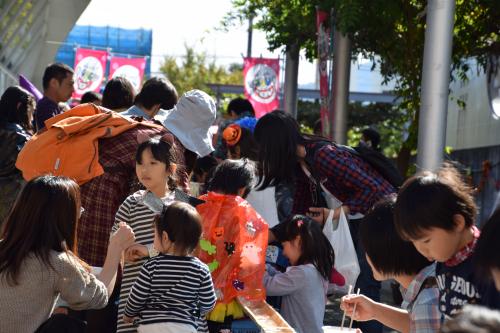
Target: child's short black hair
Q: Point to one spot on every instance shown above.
(239, 106)
(163, 150)
(90, 97)
(316, 248)
(488, 246)
(430, 200)
(473, 319)
(388, 252)
(232, 175)
(182, 223)
(157, 90)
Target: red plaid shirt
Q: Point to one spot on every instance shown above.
(467, 250)
(102, 196)
(347, 177)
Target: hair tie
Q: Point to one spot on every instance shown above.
(232, 134)
(300, 223)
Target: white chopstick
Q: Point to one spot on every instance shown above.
(353, 310)
(343, 316)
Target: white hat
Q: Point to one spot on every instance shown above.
(190, 121)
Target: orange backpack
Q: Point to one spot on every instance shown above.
(69, 145)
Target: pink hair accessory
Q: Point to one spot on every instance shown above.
(300, 223)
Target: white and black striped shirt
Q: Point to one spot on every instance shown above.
(140, 218)
(171, 289)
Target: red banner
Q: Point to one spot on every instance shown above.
(261, 82)
(129, 68)
(90, 66)
(323, 52)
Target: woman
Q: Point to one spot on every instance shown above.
(315, 166)
(16, 117)
(273, 203)
(38, 259)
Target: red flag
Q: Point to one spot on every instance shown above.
(323, 49)
(261, 82)
(129, 68)
(90, 66)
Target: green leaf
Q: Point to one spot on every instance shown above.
(207, 246)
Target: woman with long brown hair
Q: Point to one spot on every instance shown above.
(39, 261)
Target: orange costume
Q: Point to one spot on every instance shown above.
(233, 245)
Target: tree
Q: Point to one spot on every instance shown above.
(390, 33)
(195, 73)
(382, 116)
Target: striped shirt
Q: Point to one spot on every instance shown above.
(140, 218)
(171, 289)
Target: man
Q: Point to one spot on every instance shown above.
(57, 88)
(156, 96)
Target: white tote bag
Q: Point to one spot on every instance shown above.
(346, 261)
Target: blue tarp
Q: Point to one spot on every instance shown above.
(122, 42)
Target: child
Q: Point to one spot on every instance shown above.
(487, 261)
(234, 240)
(390, 257)
(304, 284)
(174, 289)
(39, 262)
(436, 212)
(240, 143)
(155, 169)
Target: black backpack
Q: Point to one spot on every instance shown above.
(382, 164)
(374, 158)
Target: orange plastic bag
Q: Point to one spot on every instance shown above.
(233, 245)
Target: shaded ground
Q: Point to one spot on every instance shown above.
(333, 314)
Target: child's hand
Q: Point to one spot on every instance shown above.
(123, 237)
(365, 307)
(128, 320)
(136, 252)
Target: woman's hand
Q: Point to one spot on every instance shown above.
(123, 238)
(136, 252)
(365, 307)
(318, 214)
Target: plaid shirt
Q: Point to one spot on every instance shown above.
(422, 303)
(467, 251)
(102, 196)
(347, 177)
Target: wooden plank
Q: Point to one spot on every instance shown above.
(265, 316)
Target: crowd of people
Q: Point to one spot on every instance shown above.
(127, 213)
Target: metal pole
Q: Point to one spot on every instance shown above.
(250, 32)
(435, 84)
(341, 74)
(291, 76)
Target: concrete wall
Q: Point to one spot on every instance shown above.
(474, 125)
